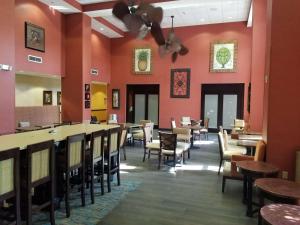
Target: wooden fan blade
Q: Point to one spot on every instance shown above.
(120, 10)
(157, 33)
(155, 14)
(184, 50)
(174, 56)
(133, 23)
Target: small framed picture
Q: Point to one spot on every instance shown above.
(142, 61)
(34, 37)
(47, 97)
(115, 98)
(58, 98)
(87, 104)
(87, 88)
(223, 57)
(87, 96)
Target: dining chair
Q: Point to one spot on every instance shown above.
(38, 173)
(10, 181)
(173, 123)
(149, 145)
(112, 156)
(204, 130)
(94, 158)
(226, 152)
(123, 141)
(183, 139)
(72, 160)
(230, 169)
(168, 148)
(185, 121)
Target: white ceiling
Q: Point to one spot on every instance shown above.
(85, 2)
(186, 12)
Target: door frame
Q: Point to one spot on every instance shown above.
(220, 90)
(146, 89)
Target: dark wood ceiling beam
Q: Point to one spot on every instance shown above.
(109, 5)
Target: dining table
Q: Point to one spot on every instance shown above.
(280, 214)
(193, 128)
(250, 137)
(249, 144)
(252, 170)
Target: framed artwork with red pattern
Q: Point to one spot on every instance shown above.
(180, 83)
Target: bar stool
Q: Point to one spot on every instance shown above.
(112, 156)
(38, 172)
(10, 180)
(95, 160)
(74, 159)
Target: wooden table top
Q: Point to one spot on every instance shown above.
(133, 125)
(195, 127)
(22, 140)
(257, 167)
(253, 137)
(247, 143)
(279, 187)
(281, 214)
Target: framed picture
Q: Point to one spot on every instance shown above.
(34, 37)
(142, 61)
(47, 97)
(115, 98)
(87, 96)
(87, 87)
(223, 57)
(58, 98)
(180, 83)
(87, 104)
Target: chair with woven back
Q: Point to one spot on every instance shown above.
(112, 155)
(230, 169)
(169, 148)
(71, 165)
(139, 135)
(10, 182)
(38, 173)
(94, 158)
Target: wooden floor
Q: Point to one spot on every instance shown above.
(191, 196)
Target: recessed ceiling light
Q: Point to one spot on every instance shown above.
(213, 9)
(202, 20)
(58, 7)
(229, 17)
(101, 28)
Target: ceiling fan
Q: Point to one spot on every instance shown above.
(144, 18)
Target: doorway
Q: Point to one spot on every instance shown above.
(143, 103)
(99, 101)
(222, 103)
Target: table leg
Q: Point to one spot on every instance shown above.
(249, 196)
(245, 189)
(192, 138)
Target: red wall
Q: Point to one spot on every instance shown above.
(198, 40)
(7, 56)
(41, 15)
(101, 57)
(283, 107)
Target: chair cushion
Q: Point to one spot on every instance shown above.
(227, 168)
(185, 146)
(179, 151)
(153, 146)
(183, 137)
(138, 135)
(228, 153)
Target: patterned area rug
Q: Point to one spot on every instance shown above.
(90, 214)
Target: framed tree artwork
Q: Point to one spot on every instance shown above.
(180, 83)
(223, 57)
(142, 61)
(115, 98)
